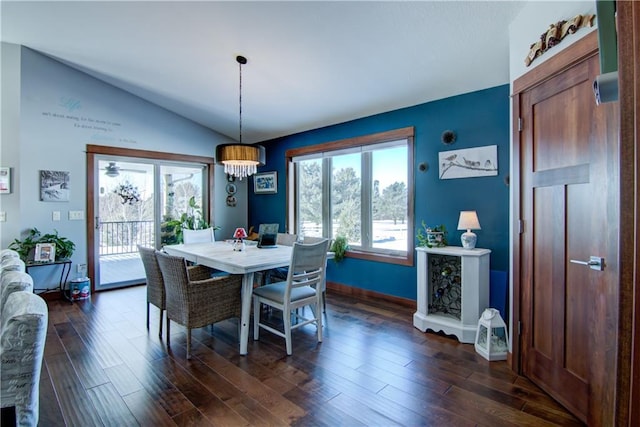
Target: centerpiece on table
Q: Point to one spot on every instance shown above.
(239, 235)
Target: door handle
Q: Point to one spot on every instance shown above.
(594, 263)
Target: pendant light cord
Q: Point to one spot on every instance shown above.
(241, 60)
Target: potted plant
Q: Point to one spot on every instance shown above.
(339, 247)
(26, 246)
(192, 219)
(432, 236)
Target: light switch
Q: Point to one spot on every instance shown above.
(56, 216)
(76, 215)
(3, 216)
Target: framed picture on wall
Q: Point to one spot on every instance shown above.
(265, 183)
(469, 162)
(5, 180)
(45, 252)
(54, 186)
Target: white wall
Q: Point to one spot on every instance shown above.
(53, 111)
(532, 21)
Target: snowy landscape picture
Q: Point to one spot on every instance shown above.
(54, 186)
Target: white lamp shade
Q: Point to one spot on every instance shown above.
(468, 221)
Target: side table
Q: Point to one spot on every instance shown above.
(64, 274)
(453, 290)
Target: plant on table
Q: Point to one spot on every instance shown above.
(432, 236)
(26, 246)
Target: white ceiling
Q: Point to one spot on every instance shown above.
(310, 64)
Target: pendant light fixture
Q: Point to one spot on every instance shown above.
(238, 159)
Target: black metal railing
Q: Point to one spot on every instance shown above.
(122, 237)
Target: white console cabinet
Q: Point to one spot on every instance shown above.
(453, 290)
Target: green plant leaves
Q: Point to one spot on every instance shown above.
(64, 246)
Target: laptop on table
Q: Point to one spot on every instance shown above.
(267, 235)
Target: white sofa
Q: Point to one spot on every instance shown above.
(23, 327)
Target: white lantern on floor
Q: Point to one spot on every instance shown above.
(492, 341)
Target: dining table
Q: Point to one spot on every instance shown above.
(221, 256)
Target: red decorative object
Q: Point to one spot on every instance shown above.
(240, 233)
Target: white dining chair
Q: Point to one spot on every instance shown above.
(314, 239)
(303, 287)
(279, 274)
(204, 235)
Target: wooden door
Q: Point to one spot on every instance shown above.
(569, 206)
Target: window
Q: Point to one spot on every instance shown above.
(361, 188)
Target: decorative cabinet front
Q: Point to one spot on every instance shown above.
(453, 290)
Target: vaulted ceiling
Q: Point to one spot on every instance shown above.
(310, 64)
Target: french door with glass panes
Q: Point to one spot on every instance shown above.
(137, 201)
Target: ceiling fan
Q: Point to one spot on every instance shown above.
(113, 170)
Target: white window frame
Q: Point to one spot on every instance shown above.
(364, 144)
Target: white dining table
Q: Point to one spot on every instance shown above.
(221, 256)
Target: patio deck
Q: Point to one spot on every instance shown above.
(120, 269)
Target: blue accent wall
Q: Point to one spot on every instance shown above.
(479, 118)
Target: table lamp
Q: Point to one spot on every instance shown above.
(468, 221)
(239, 235)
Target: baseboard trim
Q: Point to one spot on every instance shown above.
(332, 287)
(51, 295)
(360, 293)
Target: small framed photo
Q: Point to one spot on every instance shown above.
(5, 180)
(265, 183)
(45, 252)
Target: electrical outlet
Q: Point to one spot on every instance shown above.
(76, 215)
(3, 216)
(81, 268)
(55, 216)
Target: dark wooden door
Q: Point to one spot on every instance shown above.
(569, 208)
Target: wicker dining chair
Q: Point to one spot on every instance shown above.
(194, 298)
(155, 284)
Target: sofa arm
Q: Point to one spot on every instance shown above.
(12, 264)
(22, 340)
(8, 254)
(13, 281)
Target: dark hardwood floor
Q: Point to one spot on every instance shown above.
(374, 368)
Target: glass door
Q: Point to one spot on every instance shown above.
(138, 202)
(179, 184)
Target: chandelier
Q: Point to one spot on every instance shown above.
(238, 159)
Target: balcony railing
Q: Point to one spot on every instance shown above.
(122, 237)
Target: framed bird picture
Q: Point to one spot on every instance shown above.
(468, 162)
